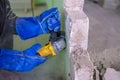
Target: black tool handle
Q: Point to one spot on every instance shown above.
(54, 36)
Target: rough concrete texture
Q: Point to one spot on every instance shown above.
(96, 74)
(74, 3)
(81, 64)
(111, 4)
(77, 26)
(7, 75)
(112, 74)
(104, 35)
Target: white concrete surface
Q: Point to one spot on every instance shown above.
(111, 74)
(77, 29)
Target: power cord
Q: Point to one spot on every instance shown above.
(32, 8)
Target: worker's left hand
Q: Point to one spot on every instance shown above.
(26, 60)
(29, 27)
(50, 20)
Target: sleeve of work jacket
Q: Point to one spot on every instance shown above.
(7, 21)
(11, 17)
(7, 24)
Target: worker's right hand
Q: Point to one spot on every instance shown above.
(26, 60)
(29, 27)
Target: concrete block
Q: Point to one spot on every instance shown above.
(82, 66)
(77, 26)
(74, 3)
(79, 29)
(112, 74)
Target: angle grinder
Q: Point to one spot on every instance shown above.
(55, 45)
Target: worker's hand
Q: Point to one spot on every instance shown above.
(28, 27)
(50, 20)
(21, 61)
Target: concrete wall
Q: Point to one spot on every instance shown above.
(77, 26)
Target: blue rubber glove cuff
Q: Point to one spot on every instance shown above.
(24, 61)
(51, 19)
(29, 27)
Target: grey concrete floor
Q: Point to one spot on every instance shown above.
(104, 35)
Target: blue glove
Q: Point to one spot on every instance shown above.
(21, 61)
(29, 27)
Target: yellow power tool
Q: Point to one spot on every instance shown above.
(55, 45)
